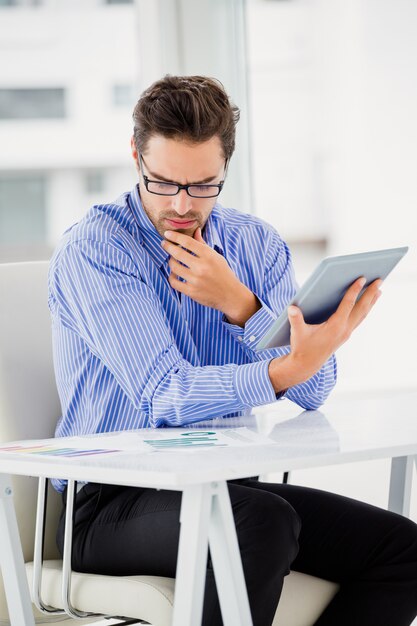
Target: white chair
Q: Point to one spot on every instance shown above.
(29, 408)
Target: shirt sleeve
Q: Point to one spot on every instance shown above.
(100, 295)
(277, 289)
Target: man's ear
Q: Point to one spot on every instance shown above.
(134, 151)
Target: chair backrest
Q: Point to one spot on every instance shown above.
(29, 403)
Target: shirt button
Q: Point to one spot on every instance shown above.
(240, 339)
(252, 338)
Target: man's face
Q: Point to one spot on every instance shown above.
(172, 160)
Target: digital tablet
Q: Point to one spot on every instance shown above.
(320, 296)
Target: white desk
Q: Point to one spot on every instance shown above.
(347, 429)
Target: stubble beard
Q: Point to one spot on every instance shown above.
(161, 226)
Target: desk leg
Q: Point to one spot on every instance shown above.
(192, 556)
(227, 564)
(11, 560)
(400, 484)
(206, 517)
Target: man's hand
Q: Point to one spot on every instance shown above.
(313, 344)
(208, 277)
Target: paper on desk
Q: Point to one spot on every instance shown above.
(141, 440)
(180, 439)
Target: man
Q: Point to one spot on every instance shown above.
(157, 301)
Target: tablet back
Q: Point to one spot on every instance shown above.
(320, 296)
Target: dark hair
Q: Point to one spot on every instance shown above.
(193, 108)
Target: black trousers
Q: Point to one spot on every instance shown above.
(370, 552)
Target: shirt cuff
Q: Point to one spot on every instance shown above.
(252, 384)
(255, 327)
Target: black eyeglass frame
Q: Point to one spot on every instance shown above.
(178, 186)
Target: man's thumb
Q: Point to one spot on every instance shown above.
(197, 235)
(295, 316)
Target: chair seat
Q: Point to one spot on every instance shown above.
(303, 599)
(151, 598)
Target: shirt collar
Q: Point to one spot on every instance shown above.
(211, 233)
(151, 239)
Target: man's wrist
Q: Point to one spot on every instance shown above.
(244, 306)
(283, 373)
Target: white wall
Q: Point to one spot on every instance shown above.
(374, 74)
(283, 78)
(373, 194)
(334, 95)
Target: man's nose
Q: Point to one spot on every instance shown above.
(182, 202)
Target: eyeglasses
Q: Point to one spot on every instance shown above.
(162, 188)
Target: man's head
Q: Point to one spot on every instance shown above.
(184, 132)
(187, 108)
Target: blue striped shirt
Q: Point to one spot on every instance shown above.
(131, 352)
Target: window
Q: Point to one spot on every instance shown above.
(118, 1)
(94, 181)
(40, 103)
(19, 3)
(22, 209)
(123, 95)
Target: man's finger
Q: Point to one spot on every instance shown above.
(178, 269)
(178, 284)
(349, 299)
(184, 240)
(376, 297)
(365, 304)
(295, 318)
(198, 235)
(179, 253)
